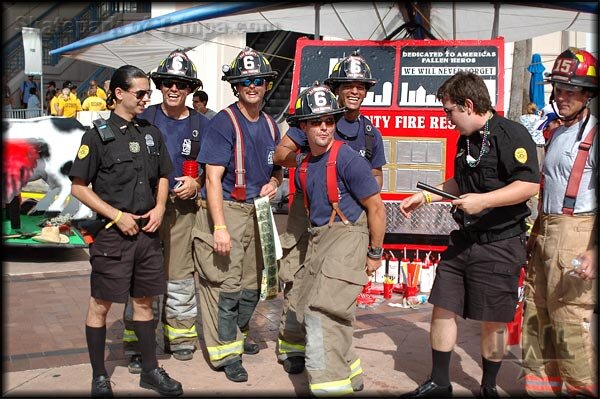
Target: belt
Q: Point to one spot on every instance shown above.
(485, 237)
(540, 145)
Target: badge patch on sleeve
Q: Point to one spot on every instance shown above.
(521, 155)
(83, 152)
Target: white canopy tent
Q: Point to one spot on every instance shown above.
(144, 42)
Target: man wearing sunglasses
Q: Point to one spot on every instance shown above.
(237, 152)
(561, 286)
(350, 79)
(326, 297)
(182, 128)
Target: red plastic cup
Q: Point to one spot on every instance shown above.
(387, 290)
(410, 291)
(190, 168)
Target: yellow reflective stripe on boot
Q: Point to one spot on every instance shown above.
(221, 351)
(355, 369)
(174, 333)
(129, 336)
(286, 347)
(332, 388)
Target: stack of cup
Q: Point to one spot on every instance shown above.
(190, 168)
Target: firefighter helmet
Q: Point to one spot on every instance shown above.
(352, 68)
(177, 66)
(314, 102)
(575, 67)
(249, 63)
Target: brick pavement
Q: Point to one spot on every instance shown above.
(45, 350)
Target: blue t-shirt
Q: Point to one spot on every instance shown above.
(177, 134)
(25, 86)
(355, 182)
(348, 132)
(218, 148)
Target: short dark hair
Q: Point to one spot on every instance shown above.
(202, 96)
(52, 83)
(466, 85)
(32, 90)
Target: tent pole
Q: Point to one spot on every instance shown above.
(453, 20)
(42, 94)
(317, 21)
(496, 20)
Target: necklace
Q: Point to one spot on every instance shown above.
(472, 162)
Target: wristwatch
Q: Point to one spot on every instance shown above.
(375, 252)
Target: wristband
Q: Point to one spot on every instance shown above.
(427, 197)
(115, 220)
(375, 252)
(220, 227)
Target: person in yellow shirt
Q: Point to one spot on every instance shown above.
(68, 105)
(93, 102)
(99, 90)
(54, 103)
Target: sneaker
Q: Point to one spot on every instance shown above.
(250, 348)
(294, 364)
(359, 388)
(135, 364)
(159, 381)
(487, 391)
(430, 389)
(101, 387)
(236, 372)
(183, 354)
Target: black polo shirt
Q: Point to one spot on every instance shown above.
(511, 156)
(124, 172)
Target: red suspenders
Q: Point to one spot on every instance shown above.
(239, 189)
(331, 182)
(576, 172)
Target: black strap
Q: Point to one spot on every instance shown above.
(194, 124)
(369, 138)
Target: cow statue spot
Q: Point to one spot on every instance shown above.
(42, 148)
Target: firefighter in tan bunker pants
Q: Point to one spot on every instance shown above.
(350, 79)
(558, 325)
(347, 209)
(238, 153)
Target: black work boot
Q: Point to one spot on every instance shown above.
(135, 364)
(236, 372)
(183, 354)
(294, 364)
(486, 391)
(430, 389)
(159, 381)
(101, 387)
(250, 348)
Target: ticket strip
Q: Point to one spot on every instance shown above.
(269, 287)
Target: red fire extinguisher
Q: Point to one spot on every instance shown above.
(514, 328)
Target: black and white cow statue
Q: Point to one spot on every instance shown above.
(52, 142)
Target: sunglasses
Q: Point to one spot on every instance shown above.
(255, 82)
(317, 122)
(178, 83)
(140, 94)
(448, 111)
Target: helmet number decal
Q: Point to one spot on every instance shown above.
(177, 63)
(249, 62)
(320, 98)
(564, 66)
(355, 67)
